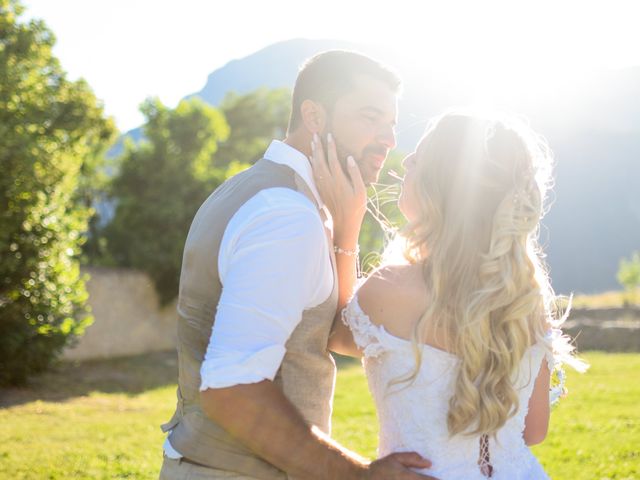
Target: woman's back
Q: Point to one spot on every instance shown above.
(413, 415)
(394, 296)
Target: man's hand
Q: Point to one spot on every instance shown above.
(263, 419)
(396, 466)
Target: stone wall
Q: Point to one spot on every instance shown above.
(128, 319)
(608, 329)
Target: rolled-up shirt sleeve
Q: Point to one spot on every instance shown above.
(273, 264)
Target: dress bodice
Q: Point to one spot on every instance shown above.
(413, 416)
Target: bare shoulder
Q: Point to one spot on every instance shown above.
(394, 296)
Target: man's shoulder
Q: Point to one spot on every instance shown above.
(265, 171)
(249, 183)
(277, 207)
(286, 200)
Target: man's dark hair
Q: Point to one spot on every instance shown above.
(329, 75)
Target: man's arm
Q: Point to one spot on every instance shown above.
(263, 419)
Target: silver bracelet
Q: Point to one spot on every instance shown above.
(348, 253)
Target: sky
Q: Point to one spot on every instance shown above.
(129, 50)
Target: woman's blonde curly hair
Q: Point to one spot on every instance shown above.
(481, 184)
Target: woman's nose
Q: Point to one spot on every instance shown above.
(408, 161)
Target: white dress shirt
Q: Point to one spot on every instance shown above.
(273, 264)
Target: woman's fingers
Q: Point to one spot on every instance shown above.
(326, 167)
(355, 176)
(332, 159)
(318, 160)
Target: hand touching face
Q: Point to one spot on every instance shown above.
(363, 125)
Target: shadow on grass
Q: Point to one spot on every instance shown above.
(128, 375)
(66, 380)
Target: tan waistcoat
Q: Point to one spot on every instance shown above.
(307, 373)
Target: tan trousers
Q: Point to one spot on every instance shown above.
(177, 470)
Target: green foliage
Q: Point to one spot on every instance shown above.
(629, 275)
(52, 135)
(254, 119)
(186, 154)
(161, 183)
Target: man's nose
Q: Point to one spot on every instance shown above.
(387, 136)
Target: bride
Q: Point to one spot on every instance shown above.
(458, 339)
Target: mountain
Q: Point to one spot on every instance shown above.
(273, 66)
(590, 118)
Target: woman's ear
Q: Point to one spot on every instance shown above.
(314, 116)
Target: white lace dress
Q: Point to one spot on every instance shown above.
(413, 418)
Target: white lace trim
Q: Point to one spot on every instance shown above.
(375, 339)
(366, 335)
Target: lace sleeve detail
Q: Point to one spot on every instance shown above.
(367, 336)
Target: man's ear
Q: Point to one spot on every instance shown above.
(314, 116)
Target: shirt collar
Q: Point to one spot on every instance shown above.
(280, 152)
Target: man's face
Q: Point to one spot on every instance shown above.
(363, 125)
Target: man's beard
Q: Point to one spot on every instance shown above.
(343, 152)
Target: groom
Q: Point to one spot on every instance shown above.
(258, 294)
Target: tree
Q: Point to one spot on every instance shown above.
(629, 275)
(185, 154)
(52, 135)
(254, 119)
(161, 183)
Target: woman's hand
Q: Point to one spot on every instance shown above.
(344, 195)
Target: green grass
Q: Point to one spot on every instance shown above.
(595, 430)
(100, 420)
(96, 420)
